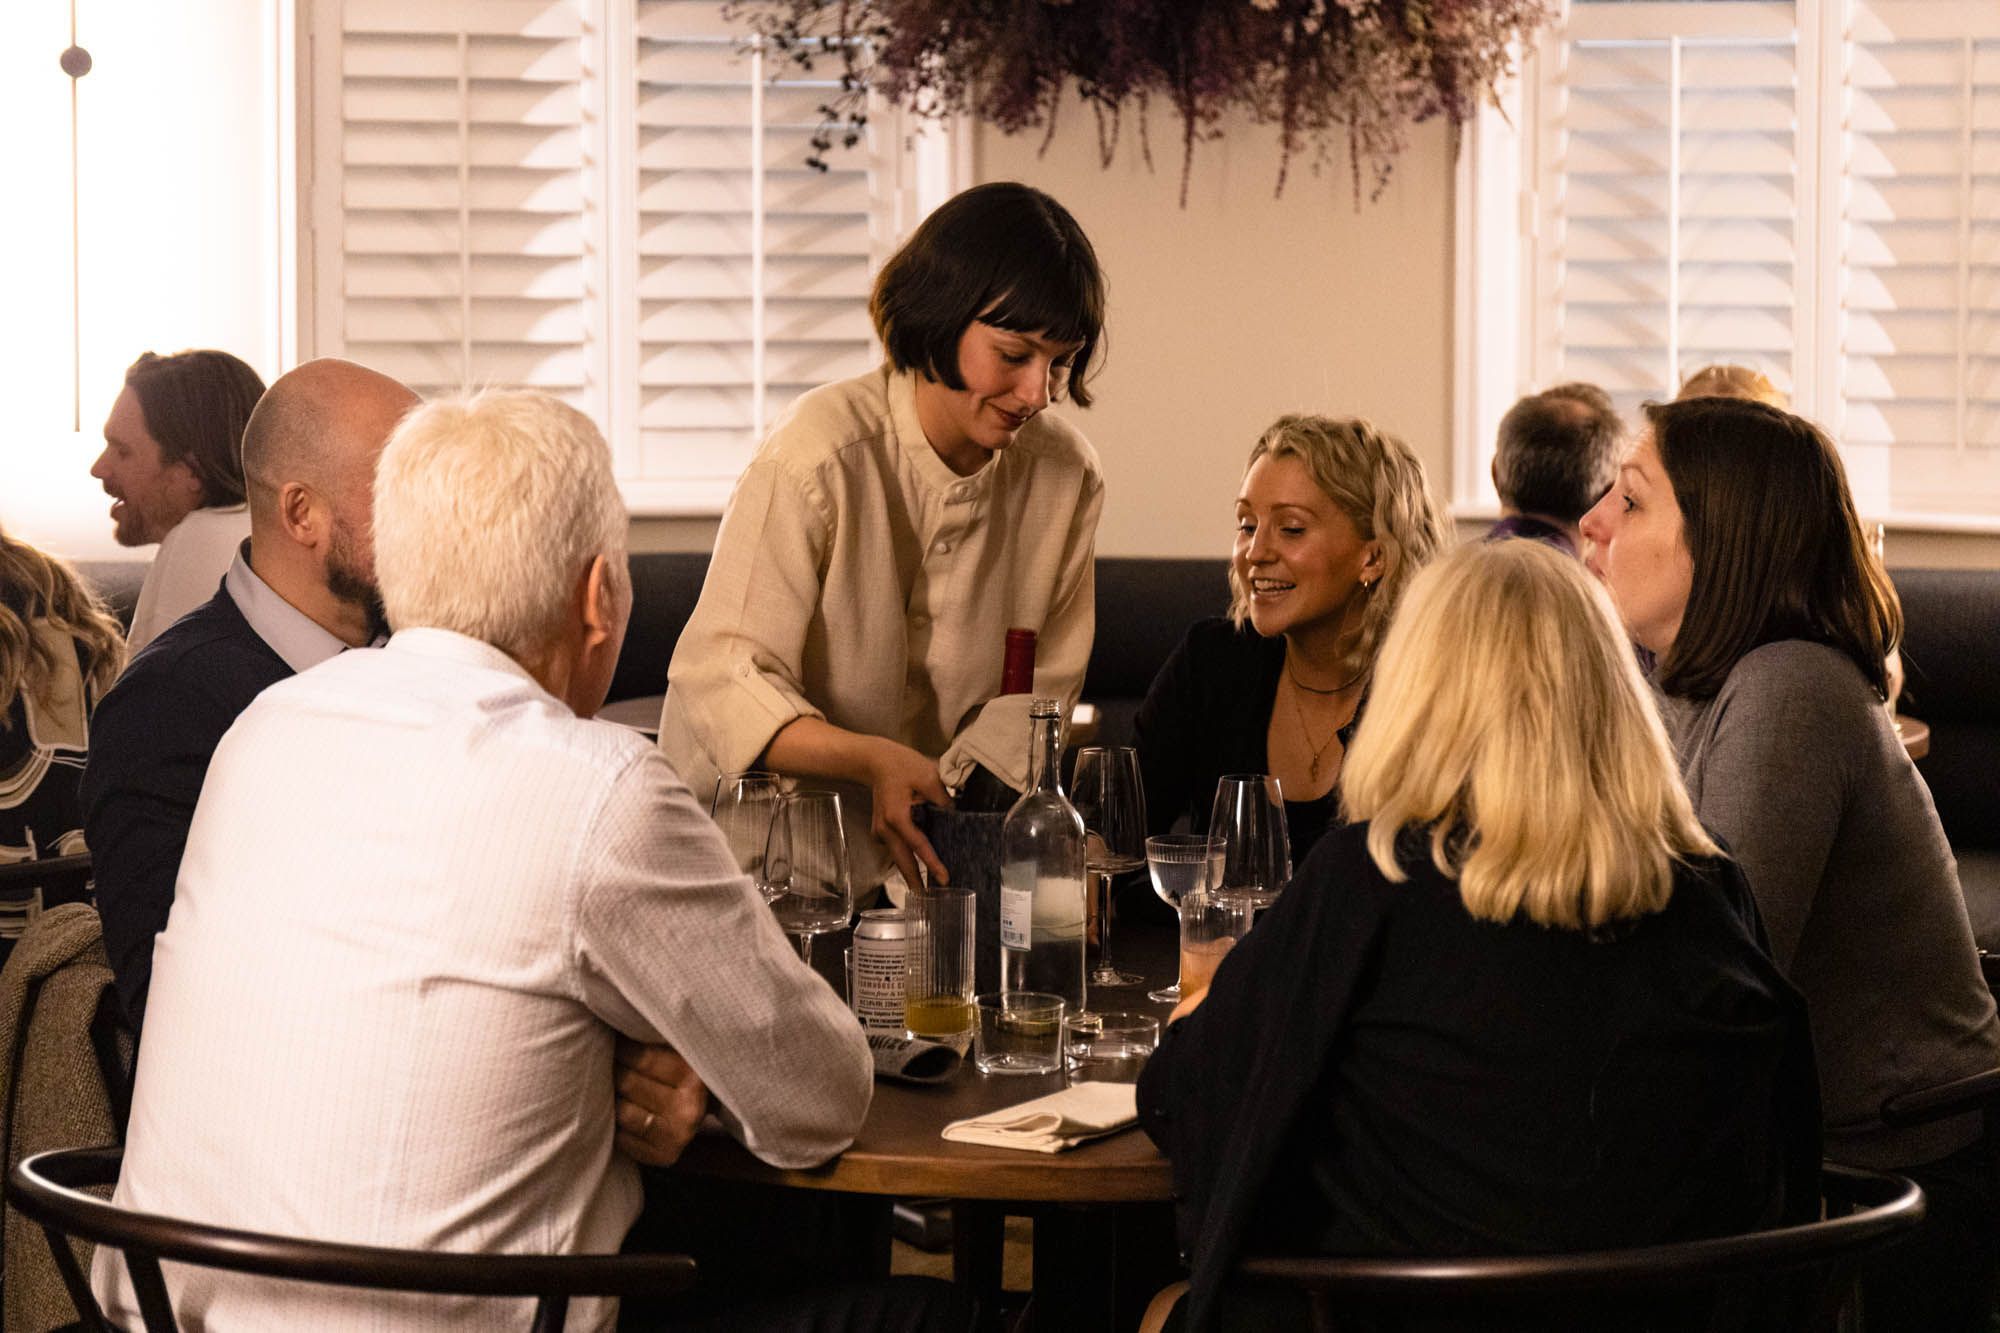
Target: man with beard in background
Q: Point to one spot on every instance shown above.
(302, 590)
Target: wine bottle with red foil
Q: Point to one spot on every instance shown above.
(983, 792)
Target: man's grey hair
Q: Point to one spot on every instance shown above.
(488, 509)
(1558, 451)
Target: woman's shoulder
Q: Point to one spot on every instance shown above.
(1790, 663)
(1799, 679)
(824, 422)
(1053, 438)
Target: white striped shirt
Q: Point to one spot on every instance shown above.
(418, 899)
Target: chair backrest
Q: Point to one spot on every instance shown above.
(48, 1189)
(28, 888)
(1865, 1210)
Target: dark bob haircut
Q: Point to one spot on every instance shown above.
(196, 405)
(1777, 549)
(1004, 254)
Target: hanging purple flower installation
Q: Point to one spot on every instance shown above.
(1323, 73)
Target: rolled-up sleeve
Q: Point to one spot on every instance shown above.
(672, 944)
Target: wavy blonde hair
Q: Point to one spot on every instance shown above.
(1378, 482)
(1510, 722)
(1724, 380)
(39, 589)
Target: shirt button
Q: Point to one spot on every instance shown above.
(941, 547)
(961, 492)
(919, 620)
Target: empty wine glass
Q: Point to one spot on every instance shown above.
(742, 808)
(805, 868)
(1105, 789)
(1182, 865)
(1249, 813)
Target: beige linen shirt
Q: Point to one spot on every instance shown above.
(858, 579)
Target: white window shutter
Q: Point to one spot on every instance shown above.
(462, 231)
(1920, 353)
(753, 268)
(607, 199)
(1666, 191)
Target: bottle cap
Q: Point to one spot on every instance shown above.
(1045, 708)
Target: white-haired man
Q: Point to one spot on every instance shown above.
(423, 896)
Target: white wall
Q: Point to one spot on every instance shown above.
(179, 188)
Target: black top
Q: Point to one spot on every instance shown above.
(149, 750)
(1376, 1072)
(40, 815)
(1207, 714)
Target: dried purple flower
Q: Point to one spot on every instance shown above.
(1323, 72)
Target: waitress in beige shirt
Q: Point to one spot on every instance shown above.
(894, 526)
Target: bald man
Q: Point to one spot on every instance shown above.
(300, 591)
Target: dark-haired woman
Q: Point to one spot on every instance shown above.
(59, 652)
(892, 527)
(1732, 549)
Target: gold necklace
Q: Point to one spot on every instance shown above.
(1306, 731)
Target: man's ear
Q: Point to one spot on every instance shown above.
(302, 514)
(596, 596)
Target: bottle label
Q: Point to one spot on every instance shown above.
(1017, 906)
(878, 984)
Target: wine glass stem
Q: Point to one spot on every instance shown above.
(1101, 887)
(806, 947)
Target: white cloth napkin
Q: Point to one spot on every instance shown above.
(1050, 1124)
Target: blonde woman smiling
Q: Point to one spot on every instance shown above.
(1333, 518)
(1515, 1004)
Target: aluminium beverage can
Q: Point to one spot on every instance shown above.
(875, 976)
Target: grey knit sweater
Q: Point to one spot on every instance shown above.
(1796, 766)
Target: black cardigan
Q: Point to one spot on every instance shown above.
(1206, 714)
(1376, 1072)
(150, 744)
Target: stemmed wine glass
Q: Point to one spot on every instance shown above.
(1105, 789)
(742, 808)
(805, 868)
(1182, 865)
(1249, 814)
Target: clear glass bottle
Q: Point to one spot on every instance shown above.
(1041, 874)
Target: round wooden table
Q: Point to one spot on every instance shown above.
(1103, 1242)
(1915, 735)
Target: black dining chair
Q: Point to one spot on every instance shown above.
(1722, 1282)
(47, 1188)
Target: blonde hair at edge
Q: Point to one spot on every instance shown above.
(488, 510)
(1509, 718)
(1730, 381)
(1378, 482)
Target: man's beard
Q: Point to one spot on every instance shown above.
(345, 581)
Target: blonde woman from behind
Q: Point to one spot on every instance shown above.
(1516, 1004)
